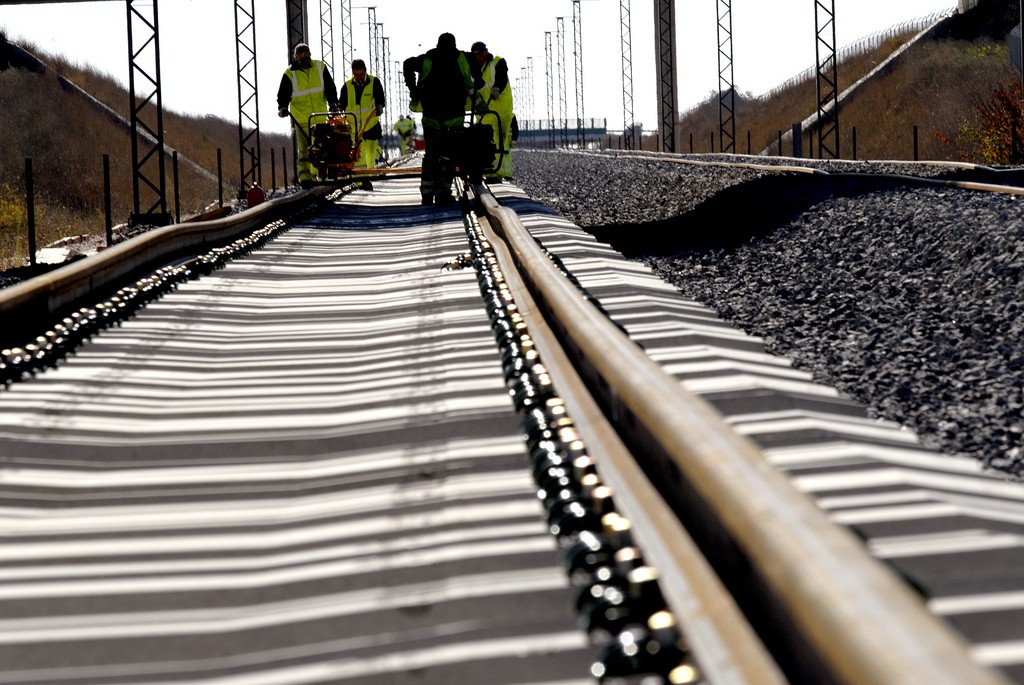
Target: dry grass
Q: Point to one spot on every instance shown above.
(935, 86)
(66, 137)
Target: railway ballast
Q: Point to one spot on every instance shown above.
(903, 296)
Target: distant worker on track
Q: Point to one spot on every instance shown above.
(439, 82)
(306, 87)
(363, 95)
(405, 127)
(490, 77)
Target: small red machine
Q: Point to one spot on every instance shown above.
(332, 150)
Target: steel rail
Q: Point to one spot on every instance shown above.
(832, 612)
(25, 306)
(723, 642)
(903, 178)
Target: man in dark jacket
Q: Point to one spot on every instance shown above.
(440, 85)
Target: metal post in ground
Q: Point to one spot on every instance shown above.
(30, 208)
(107, 213)
(855, 142)
(915, 142)
(177, 188)
(273, 171)
(220, 178)
(798, 141)
(780, 142)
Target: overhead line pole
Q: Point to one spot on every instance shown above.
(298, 29)
(577, 56)
(346, 38)
(625, 33)
(248, 95)
(549, 75)
(327, 35)
(726, 83)
(563, 110)
(827, 78)
(665, 41)
(150, 152)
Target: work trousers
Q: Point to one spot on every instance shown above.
(502, 167)
(437, 177)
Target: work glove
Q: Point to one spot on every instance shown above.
(378, 110)
(479, 106)
(495, 92)
(283, 112)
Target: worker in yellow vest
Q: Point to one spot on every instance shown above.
(306, 87)
(363, 95)
(490, 75)
(405, 127)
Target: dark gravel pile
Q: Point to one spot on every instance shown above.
(905, 297)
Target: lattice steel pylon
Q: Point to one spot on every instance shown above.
(385, 63)
(327, 35)
(298, 29)
(626, 34)
(248, 95)
(298, 25)
(531, 112)
(371, 20)
(563, 109)
(665, 41)
(828, 78)
(726, 84)
(549, 78)
(347, 50)
(147, 117)
(577, 59)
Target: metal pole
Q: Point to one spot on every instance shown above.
(220, 178)
(577, 54)
(30, 208)
(563, 113)
(665, 39)
(726, 88)
(107, 210)
(177, 194)
(626, 36)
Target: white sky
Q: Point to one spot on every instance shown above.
(773, 40)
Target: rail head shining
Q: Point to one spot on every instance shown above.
(862, 622)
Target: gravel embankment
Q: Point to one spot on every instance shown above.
(907, 298)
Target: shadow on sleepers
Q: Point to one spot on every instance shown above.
(525, 206)
(367, 218)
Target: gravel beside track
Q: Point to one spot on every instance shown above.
(902, 296)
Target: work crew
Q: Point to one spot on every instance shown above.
(490, 75)
(439, 82)
(363, 95)
(405, 127)
(306, 87)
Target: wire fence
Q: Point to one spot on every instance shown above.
(866, 44)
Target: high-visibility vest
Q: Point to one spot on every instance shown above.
(307, 91)
(467, 77)
(503, 103)
(404, 127)
(366, 108)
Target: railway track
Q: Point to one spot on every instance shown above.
(308, 465)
